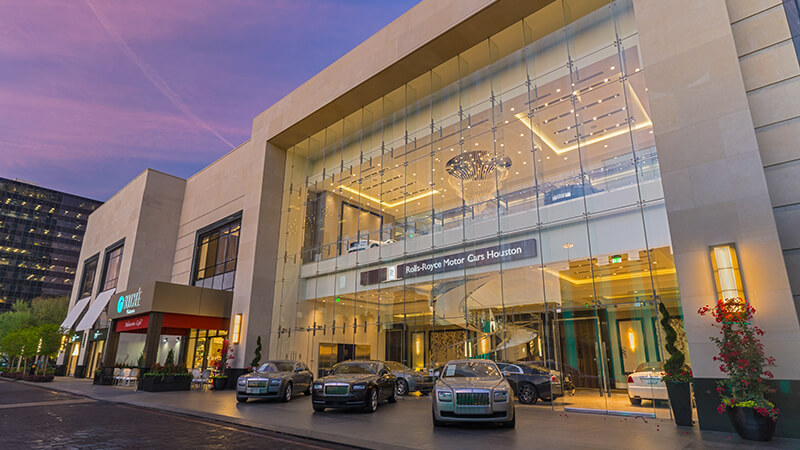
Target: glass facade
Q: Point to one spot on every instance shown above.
(112, 263)
(41, 232)
(506, 204)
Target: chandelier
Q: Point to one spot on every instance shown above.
(477, 175)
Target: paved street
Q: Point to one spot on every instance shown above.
(37, 418)
(407, 424)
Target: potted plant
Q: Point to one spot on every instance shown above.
(677, 376)
(743, 393)
(221, 365)
(169, 377)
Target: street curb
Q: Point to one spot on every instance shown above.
(301, 433)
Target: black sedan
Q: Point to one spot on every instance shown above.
(532, 381)
(275, 379)
(355, 384)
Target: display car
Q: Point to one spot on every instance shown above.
(365, 244)
(531, 381)
(275, 379)
(645, 383)
(410, 380)
(472, 391)
(355, 384)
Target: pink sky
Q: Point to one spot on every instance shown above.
(92, 92)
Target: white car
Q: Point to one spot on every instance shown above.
(365, 244)
(645, 383)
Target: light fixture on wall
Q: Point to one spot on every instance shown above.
(727, 276)
(237, 328)
(632, 339)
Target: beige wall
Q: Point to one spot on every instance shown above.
(714, 182)
(772, 79)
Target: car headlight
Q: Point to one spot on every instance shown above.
(317, 386)
(242, 381)
(359, 387)
(417, 377)
(274, 382)
(444, 396)
(500, 395)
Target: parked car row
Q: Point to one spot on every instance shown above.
(463, 390)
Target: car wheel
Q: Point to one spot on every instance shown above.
(402, 387)
(635, 401)
(318, 408)
(393, 398)
(287, 395)
(511, 423)
(241, 399)
(372, 403)
(528, 395)
(308, 390)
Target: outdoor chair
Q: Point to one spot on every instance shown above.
(196, 380)
(117, 372)
(122, 375)
(205, 378)
(133, 375)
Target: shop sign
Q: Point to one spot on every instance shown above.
(75, 337)
(99, 335)
(127, 304)
(134, 323)
(456, 261)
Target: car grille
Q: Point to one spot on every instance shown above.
(336, 389)
(472, 398)
(259, 383)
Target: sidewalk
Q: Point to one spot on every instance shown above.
(407, 424)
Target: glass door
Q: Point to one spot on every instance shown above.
(581, 360)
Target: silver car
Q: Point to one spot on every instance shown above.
(410, 380)
(275, 379)
(472, 391)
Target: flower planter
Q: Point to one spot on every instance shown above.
(157, 383)
(219, 383)
(749, 424)
(680, 400)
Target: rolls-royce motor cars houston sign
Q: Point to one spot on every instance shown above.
(464, 260)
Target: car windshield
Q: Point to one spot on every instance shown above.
(355, 368)
(396, 366)
(276, 366)
(470, 369)
(650, 367)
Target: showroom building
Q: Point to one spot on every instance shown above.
(515, 180)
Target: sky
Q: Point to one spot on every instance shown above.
(93, 92)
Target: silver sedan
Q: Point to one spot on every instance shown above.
(472, 391)
(275, 379)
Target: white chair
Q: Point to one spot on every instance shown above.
(133, 375)
(125, 373)
(205, 378)
(117, 372)
(196, 380)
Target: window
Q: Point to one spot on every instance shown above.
(113, 260)
(87, 280)
(215, 256)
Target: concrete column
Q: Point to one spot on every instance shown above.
(714, 183)
(151, 341)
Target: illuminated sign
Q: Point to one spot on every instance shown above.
(129, 303)
(616, 259)
(457, 261)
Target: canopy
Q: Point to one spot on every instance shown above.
(95, 309)
(76, 311)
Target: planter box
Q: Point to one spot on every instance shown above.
(156, 383)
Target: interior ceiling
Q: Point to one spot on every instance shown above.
(401, 181)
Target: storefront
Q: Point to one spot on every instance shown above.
(155, 319)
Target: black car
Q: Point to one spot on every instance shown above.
(355, 384)
(531, 381)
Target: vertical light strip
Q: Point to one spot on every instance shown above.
(237, 328)
(727, 276)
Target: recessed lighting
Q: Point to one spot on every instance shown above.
(548, 157)
(558, 90)
(565, 158)
(524, 162)
(506, 121)
(502, 145)
(512, 109)
(612, 67)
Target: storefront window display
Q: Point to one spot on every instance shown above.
(506, 204)
(203, 347)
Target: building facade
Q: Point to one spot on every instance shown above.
(520, 181)
(41, 231)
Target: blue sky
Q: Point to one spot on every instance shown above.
(92, 92)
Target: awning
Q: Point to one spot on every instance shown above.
(76, 311)
(95, 309)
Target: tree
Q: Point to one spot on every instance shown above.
(257, 357)
(49, 309)
(50, 338)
